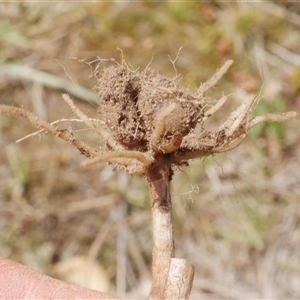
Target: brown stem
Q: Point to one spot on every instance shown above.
(163, 244)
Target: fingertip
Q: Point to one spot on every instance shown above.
(20, 282)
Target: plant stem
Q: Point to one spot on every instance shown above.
(171, 278)
(163, 242)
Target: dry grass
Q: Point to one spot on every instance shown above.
(236, 215)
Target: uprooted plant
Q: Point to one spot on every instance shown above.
(151, 124)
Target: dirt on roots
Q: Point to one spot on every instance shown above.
(139, 107)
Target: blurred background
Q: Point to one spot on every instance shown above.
(236, 215)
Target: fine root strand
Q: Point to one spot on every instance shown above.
(81, 115)
(52, 123)
(89, 122)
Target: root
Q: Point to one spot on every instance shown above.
(159, 129)
(215, 108)
(139, 156)
(63, 134)
(237, 117)
(282, 117)
(52, 123)
(81, 115)
(173, 145)
(92, 125)
(214, 79)
(174, 61)
(187, 155)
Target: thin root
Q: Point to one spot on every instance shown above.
(105, 135)
(52, 123)
(143, 158)
(215, 108)
(214, 79)
(64, 134)
(281, 117)
(237, 117)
